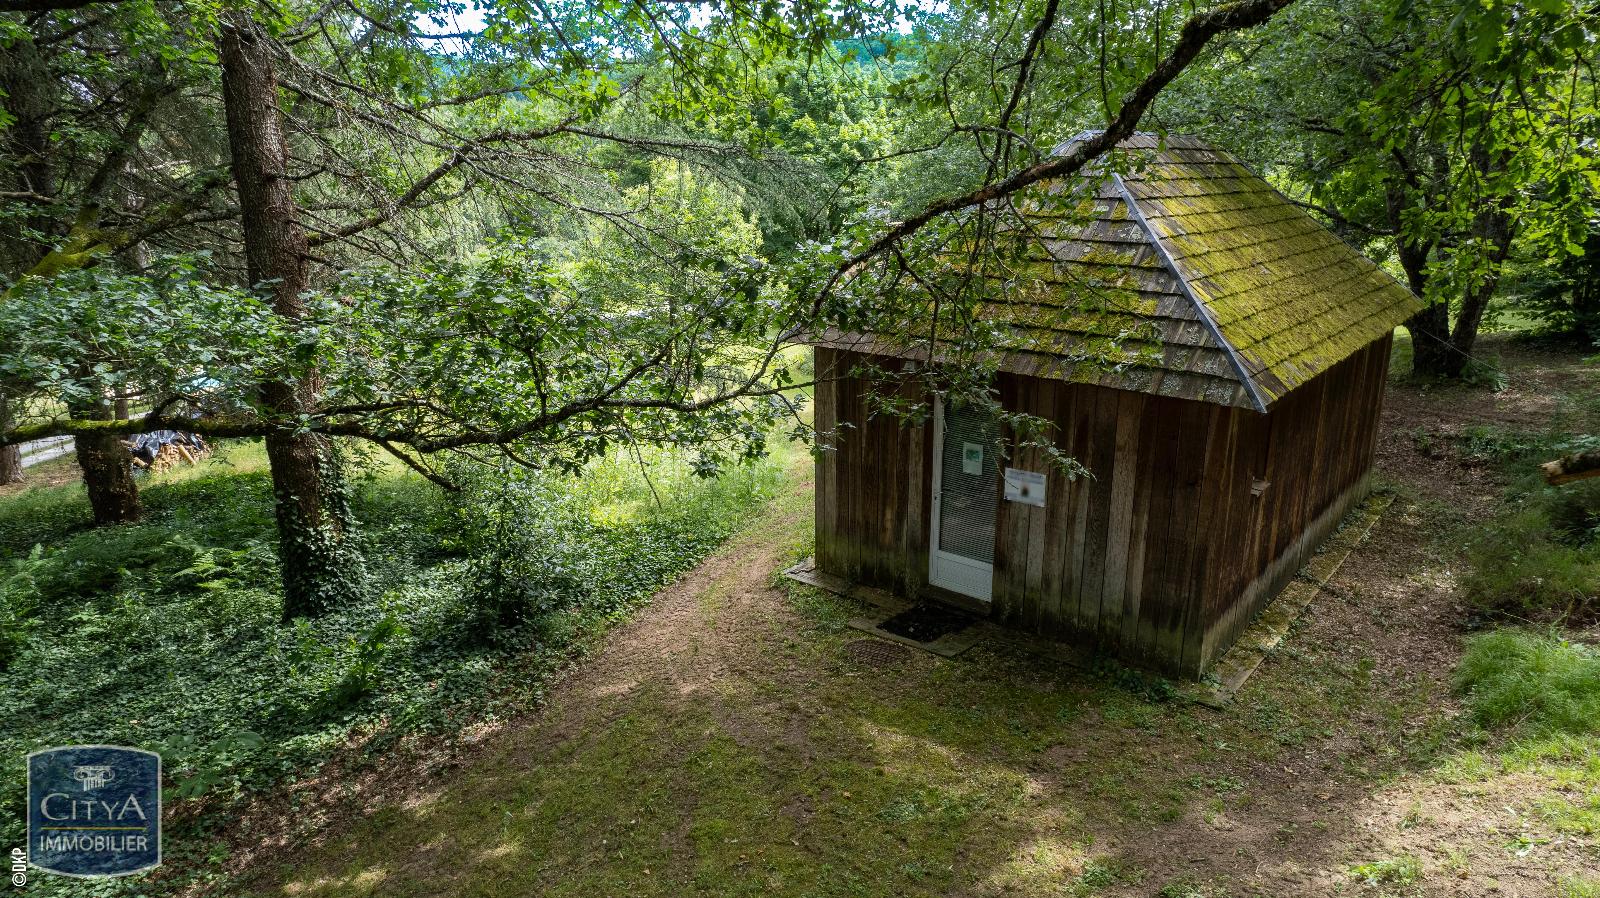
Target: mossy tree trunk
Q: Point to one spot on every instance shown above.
(107, 471)
(320, 566)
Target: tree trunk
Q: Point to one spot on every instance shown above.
(1437, 349)
(107, 471)
(10, 456)
(1494, 227)
(1431, 352)
(1586, 291)
(26, 142)
(320, 566)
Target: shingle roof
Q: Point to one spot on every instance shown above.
(1211, 284)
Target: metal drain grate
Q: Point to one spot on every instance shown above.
(876, 652)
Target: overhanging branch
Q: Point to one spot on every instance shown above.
(50, 5)
(1197, 32)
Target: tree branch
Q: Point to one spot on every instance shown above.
(1577, 466)
(1197, 32)
(49, 5)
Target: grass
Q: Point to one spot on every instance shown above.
(801, 773)
(771, 763)
(1390, 876)
(58, 470)
(1532, 689)
(877, 797)
(793, 770)
(1539, 558)
(1541, 693)
(166, 634)
(1580, 887)
(1534, 683)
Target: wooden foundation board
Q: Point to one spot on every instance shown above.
(1266, 633)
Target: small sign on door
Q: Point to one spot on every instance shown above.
(972, 459)
(1026, 487)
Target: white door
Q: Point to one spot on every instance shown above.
(966, 498)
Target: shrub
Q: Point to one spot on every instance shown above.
(539, 544)
(166, 634)
(1540, 558)
(18, 601)
(1538, 683)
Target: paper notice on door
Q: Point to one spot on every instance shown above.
(1026, 487)
(972, 458)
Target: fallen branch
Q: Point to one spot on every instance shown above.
(1576, 466)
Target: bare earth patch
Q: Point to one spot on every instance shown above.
(735, 739)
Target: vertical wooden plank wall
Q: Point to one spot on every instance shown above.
(873, 483)
(1114, 559)
(1160, 557)
(1315, 450)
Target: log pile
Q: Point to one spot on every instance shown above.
(162, 449)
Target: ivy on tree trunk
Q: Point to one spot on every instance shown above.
(320, 564)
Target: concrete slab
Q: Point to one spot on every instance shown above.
(886, 605)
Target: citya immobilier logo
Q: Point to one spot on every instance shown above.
(94, 810)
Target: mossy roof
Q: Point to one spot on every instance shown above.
(1210, 284)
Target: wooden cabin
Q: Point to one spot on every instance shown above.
(1219, 459)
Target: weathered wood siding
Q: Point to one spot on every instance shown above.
(1160, 557)
(874, 482)
(1315, 449)
(1114, 560)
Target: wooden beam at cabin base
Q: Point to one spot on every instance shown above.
(1576, 466)
(1264, 635)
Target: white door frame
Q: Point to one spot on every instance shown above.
(946, 569)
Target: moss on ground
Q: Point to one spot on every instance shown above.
(1347, 766)
(814, 775)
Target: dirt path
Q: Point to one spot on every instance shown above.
(736, 738)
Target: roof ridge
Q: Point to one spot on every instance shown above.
(1061, 148)
(1200, 307)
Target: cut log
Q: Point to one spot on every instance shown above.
(1572, 467)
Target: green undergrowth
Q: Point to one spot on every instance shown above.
(1539, 558)
(1538, 695)
(1532, 687)
(1535, 683)
(166, 634)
